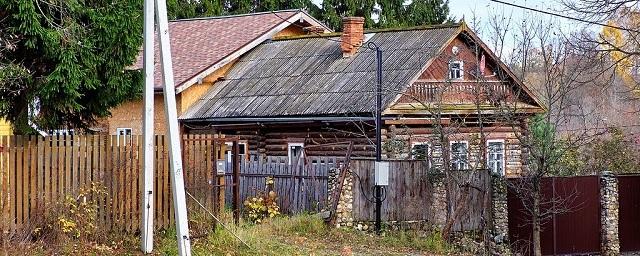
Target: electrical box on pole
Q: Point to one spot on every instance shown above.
(382, 173)
(222, 167)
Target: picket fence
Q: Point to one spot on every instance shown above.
(37, 173)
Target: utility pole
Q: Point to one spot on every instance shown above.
(177, 179)
(146, 229)
(378, 187)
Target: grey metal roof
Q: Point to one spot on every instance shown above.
(309, 76)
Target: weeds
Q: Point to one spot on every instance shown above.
(298, 235)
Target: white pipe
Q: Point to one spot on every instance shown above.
(177, 181)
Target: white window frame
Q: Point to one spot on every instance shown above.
(429, 149)
(118, 130)
(62, 132)
(466, 164)
(420, 143)
(461, 63)
(504, 155)
(230, 149)
(294, 144)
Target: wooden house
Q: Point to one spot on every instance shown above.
(203, 50)
(446, 96)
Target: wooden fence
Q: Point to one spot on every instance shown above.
(36, 173)
(412, 194)
(301, 186)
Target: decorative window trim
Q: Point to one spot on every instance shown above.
(294, 144)
(504, 154)
(450, 69)
(466, 165)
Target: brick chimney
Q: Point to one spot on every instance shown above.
(352, 35)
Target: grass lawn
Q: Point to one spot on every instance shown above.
(298, 235)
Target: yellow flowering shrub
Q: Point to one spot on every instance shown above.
(263, 205)
(74, 217)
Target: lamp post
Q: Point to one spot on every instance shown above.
(378, 188)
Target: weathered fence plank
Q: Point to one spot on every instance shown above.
(37, 173)
(411, 193)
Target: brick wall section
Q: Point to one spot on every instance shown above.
(610, 243)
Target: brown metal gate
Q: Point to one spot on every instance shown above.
(573, 225)
(629, 213)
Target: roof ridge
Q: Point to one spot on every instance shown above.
(237, 15)
(376, 30)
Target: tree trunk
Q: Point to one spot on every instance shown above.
(537, 249)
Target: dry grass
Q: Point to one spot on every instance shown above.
(298, 235)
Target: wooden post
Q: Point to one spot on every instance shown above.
(236, 183)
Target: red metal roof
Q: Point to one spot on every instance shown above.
(197, 44)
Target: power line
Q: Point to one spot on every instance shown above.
(564, 16)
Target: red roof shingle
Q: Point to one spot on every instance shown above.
(197, 44)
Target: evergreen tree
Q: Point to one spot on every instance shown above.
(334, 10)
(68, 57)
(393, 12)
(181, 9)
(426, 12)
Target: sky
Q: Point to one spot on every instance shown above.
(483, 10)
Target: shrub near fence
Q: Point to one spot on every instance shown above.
(37, 172)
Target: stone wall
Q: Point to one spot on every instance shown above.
(610, 243)
(344, 210)
(499, 216)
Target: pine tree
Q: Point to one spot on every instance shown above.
(69, 58)
(426, 12)
(334, 10)
(392, 14)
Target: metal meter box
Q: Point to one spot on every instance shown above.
(382, 173)
(222, 167)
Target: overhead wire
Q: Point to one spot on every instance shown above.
(564, 16)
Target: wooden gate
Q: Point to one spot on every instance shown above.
(301, 186)
(413, 190)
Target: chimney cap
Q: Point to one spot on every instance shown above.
(353, 19)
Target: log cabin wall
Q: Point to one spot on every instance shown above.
(273, 140)
(409, 135)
